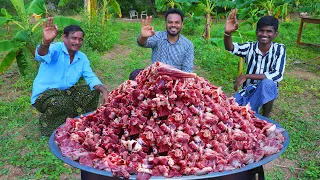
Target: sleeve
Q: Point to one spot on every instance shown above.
(240, 49)
(188, 62)
(151, 41)
(278, 66)
(48, 57)
(89, 76)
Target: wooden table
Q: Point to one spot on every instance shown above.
(306, 20)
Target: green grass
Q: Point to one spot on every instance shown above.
(296, 109)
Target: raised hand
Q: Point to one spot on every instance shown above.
(50, 30)
(232, 22)
(146, 29)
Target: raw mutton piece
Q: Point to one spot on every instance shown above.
(168, 123)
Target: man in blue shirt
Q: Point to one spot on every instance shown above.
(55, 93)
(265, 63)
(169, 46)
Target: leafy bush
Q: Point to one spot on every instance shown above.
(191, 24)
(138, 5)
(97, 36)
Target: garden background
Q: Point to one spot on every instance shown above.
(110, 44)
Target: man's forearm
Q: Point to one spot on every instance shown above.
(44, 48)
(142, 41)
(228, 42)
(255, 76)
(100, 88)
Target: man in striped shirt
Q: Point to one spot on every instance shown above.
(265, 62)
(169, 47)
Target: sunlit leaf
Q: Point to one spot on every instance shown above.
(62, 21)
(4, 20)
(22, 35)
(116, 7)
(7, 45)
(63, 2)
(8, 60)
(19, 6)
(35, 6)
(5, 13)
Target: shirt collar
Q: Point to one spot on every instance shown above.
(257, 50)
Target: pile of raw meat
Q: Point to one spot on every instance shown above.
(168, 123)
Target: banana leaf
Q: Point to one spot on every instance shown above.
(4, 20)
(62, 21)
(116, 7)
(5, 13)
(7, 45)
(35, 6)
(8, 60)
(63, 2)
(22, 62)
(23, 35)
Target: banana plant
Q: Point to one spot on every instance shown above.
(115, 6)
(24, 41)
(163, 5)
(91, 8)
(5, 19)
(209, 5)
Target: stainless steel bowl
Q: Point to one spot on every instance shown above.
(102, 173)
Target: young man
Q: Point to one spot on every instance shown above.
(265, 63)
(54, 93)
(169, 46)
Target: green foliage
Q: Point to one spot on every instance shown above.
(138, 5)
(296, 108)
(24, 41)
(191, 24)
(99, 36)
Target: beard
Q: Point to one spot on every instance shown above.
(173, 34)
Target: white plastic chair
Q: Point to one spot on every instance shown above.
(133, 13)
(144, 13)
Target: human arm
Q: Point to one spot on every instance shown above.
(146, 31)
(104, 92)
(50, 32)
(230, 26)
(93, 81)
(242, 78)
(278, 65)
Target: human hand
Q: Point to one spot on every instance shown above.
(232, 22)
(146, 29)
(50, 31)
(104, 98)
(240, 80)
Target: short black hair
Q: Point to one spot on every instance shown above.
(134, 74)
(174, 11)
(72, 28)
(268, 21)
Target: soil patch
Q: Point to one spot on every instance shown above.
(13, 172)
(289, 167)
(303, 75)
(117, 51)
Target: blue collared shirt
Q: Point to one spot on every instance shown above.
(272, 64)
(179, 54)
(56, 71)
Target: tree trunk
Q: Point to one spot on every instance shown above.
(206, 33)
(151, 3)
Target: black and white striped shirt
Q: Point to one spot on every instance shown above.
(179, 54)
(272, 64)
